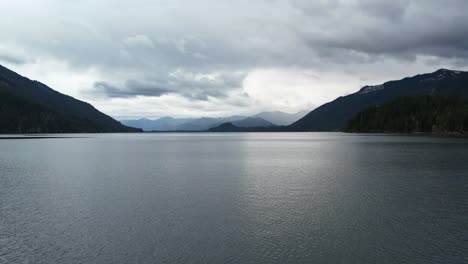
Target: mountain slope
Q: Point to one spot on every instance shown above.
(18, 90)
(281, 118)
(21, 116)
(334, 115)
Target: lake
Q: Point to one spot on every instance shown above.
(234, 198)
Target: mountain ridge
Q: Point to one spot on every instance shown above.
(332, 116)
(20, 90)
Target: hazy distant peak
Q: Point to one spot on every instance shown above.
(166, 118)
(281, 118)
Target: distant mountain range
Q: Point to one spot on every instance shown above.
(28, 106)
(161, 124)
(261, 120)
(179, 124)
(333, 116)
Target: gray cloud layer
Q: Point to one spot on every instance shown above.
(204, 49)
(191, 85)
(132, 88)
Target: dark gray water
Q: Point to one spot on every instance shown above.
(234, 198)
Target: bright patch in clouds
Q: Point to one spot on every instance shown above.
(293, 90)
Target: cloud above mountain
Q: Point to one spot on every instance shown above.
(147, 58)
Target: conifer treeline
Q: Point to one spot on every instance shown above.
(18, 115)
(431, 114)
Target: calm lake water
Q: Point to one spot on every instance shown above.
(234, 198)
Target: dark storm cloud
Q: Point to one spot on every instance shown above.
(392, 11)
(194, 86)
(131, 88)
(395, 28)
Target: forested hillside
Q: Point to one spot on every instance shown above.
(28, 106)
(333, 116)
(18, 115)
(431, 114)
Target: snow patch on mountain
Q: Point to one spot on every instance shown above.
(440, 74)
(371, 89)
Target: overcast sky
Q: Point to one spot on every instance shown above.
(153, 58)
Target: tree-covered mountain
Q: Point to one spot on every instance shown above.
(227, 127)
(231, 127)
(335, 115)
(31, 107)
(205, 123)
(430, 114)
